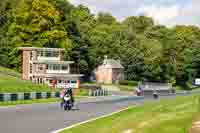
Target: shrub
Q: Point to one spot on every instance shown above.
(129, 83)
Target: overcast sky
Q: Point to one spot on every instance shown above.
(167, 12)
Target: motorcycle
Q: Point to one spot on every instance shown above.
(155, 95)
(68, 103)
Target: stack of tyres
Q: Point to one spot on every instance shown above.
(1, 97)
(27, 96)
(38, 95)
(14, 97)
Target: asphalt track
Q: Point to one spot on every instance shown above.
(45, 118)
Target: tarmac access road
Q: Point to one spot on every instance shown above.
(45, 118)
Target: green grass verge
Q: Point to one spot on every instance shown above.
(10, 82)
(169, 116)
(127, 88)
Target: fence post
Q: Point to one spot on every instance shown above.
(95, 93)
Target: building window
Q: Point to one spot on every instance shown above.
(64, 67)
(31, 68)
(31, 55)
(41, 81)
(48, 54)
(40, 67)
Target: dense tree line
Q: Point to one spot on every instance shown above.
(147, 51)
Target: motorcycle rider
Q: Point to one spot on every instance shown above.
(69, 93)
(155, 94)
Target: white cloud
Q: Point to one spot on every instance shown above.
(190, 14)
(161, 14)
(169, 12)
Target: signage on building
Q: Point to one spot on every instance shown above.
(197, 82)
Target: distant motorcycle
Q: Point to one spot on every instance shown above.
(155, 95)
(68, 102)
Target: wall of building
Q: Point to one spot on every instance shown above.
(104, 75)
(117, 74)
(25, 68)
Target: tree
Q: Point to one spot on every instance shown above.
(38, 23)
(138, 24)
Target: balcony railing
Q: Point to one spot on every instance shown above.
(43, 58)
(58, 71)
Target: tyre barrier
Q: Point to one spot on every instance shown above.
(4, 97)
(100, 92)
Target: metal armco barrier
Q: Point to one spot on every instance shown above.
(102, 92)
(27, 96)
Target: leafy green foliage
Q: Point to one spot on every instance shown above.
(147, 51)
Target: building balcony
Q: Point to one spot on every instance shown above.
(43, 58)
(58, 71)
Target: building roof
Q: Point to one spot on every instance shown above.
(110, 63)
(41, 49)
(53, 62)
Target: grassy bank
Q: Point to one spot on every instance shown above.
(10, 81)
(169, 116)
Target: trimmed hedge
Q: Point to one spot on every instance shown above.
(129, 83)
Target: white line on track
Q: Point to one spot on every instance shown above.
(90, 120)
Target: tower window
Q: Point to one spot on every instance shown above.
(31, 68)
(31, 55)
